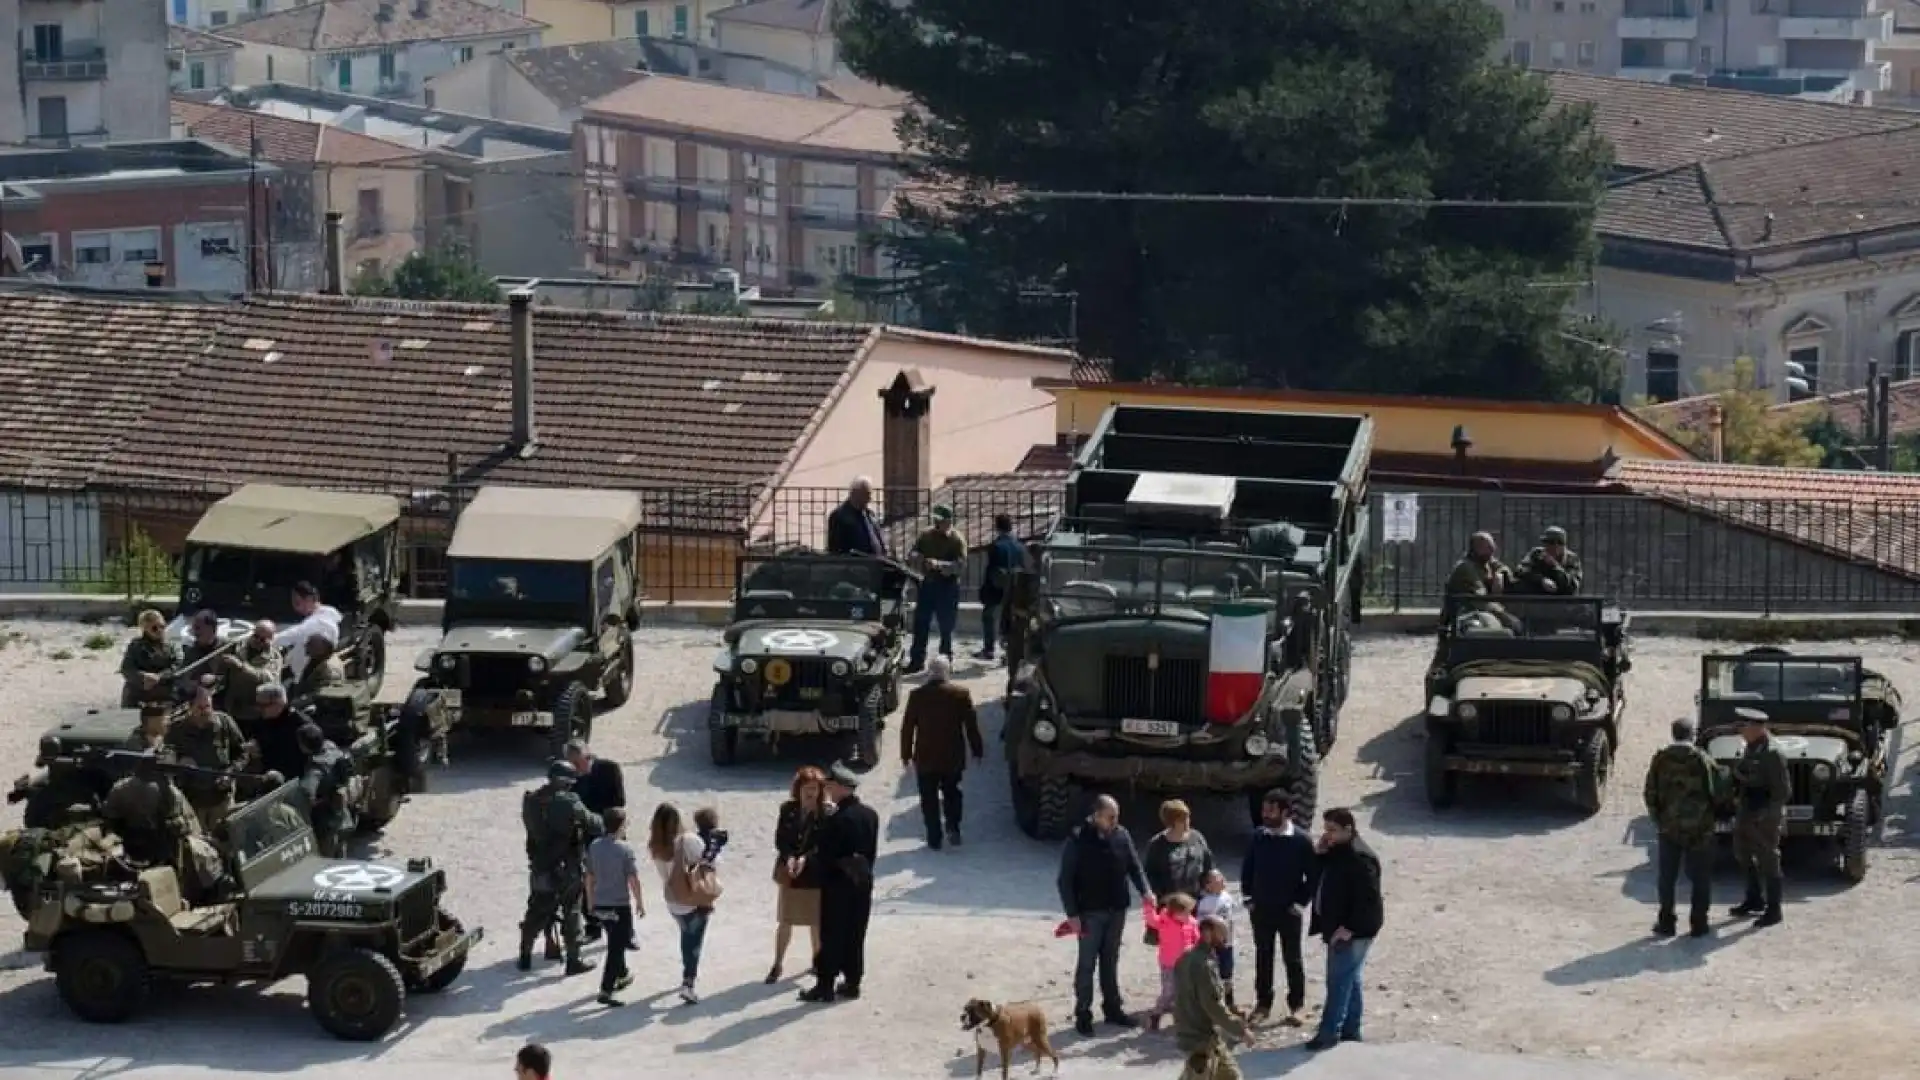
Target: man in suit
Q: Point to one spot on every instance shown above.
(941, 726)
(849, 842)
(851, 529)
(601, 787)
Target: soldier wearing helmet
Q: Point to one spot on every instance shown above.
(559, 827)
(1552, 568)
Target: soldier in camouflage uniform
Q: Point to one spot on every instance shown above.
(323, 670)
(1480, 571)
(203, 641)
(1683, 794)
(145, 666)
(559, 827)
(210, 740)
(1551, 569)
(327, 779)
(150, 734)
(254, 663)
(1762, 787)
(151, 817)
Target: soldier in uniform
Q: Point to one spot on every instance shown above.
(1202, 1021)
(1682, 793)
(1480, 571)
(253, 663)
(203, 641)
(210, 740)
(327, 777)
(144, 667)
(559, 826)
(151, 817)
(150, 734)
(322, 670)
(1762, 787)
(1551, 569)
(941, 555)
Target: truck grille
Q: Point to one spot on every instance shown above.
(1801, 773)
(418, 912)
(805, 690)
(1516, 724)
(1177, 691)
(491, 677)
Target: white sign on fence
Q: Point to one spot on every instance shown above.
(1402, 517)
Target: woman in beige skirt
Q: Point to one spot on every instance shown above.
(793, 870)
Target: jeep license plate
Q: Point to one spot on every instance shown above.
(1799, 813)
(1150, 727)
(810, 693)
(532, 719)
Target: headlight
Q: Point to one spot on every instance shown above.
(536, 663)
(1257, 745)
(1467, 711)
(840, 667)
(1044, 731)
(448, 662)
(1562, 712)
(749, 666)
(1823, 772)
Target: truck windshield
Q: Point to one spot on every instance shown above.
(850, 581)
(496, 583)
(1737, 680)
(1092, 581)
(249, 569)
(266, 823)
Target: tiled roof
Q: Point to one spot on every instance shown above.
(1046, 457)
(1670, 207)
(1655, 126)
(784, 119)
(857, 91)
(183, 39)
(572, 75)
(1869, 516)
(806, 16)
(298, 393)
(283, 139)
(79, 373)
(1849, 408)
(340, 25)
(1031, 498)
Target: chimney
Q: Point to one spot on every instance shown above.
(520, 311)
(336, 254)
(156, 275)
(1717, 431)
(384, 13)
(906, 453)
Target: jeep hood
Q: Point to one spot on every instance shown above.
(96, 727)
(1793, 747)
(511, 640)
(1556, 689)
(341, 881)
(802, 640)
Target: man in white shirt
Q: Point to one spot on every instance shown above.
(316, 618)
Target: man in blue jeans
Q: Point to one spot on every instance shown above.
(1097, 869)
(941, 555)
(1348, 911)
(1005, 557)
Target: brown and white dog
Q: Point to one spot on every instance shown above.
(1008, 1026)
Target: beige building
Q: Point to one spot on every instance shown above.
(77, 72)
(381, 48)
(571, 22)
(1818, 48)
(691, 176)
(199, 61)
(545, 87)
(797, 33)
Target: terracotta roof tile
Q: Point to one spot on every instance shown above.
(79, 374)
(1031, 498)
(572, 75)
(857, 91)
(783, 119)
(340, 25)
(806, 16)
(1046, 457)
(625, 401)
(184, 39)
(1849, 408)
(1768, 199)
(1670, 208)
(1654, 126)
(284, 140)
(1869, 516)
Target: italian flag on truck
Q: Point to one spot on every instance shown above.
(1236, 660)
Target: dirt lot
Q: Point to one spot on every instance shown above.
(1512, 924)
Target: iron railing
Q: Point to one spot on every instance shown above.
(1671, 554)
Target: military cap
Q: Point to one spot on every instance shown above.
(49, 746)
(207, 617)
(843, 774)
(310, 736)
(943, 512)
(1750, 715)
(562, 772)
(1554, 535)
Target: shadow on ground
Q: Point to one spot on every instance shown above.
(1484, 807)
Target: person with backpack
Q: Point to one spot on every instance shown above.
(326, 780)
(1006, 557)
(691, 883)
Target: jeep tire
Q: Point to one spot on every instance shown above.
(619, 687)
(1302, 782)
(356, 994)
(100, 974)
(572, 719)
(1043, 808)
(1855, 831)
(1443, 786)
(866, 732)
(373, 660)
(1593, 769)
(723, 742)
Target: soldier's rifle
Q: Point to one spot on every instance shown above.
(118, 763)
(184, 678)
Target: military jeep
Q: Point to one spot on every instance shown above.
(1530, 686)
(363, 934)
(814, 648)
(1831, 718)
(542, 601)
(67, 772)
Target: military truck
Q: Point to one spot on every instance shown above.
(1531, 686)
(1831, 717)
(542, 601)
(364, 934)
(1196, 596)
(814, 648)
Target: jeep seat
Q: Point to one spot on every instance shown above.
(209, 920)
(161, 886)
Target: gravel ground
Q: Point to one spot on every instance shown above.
(1513, 925)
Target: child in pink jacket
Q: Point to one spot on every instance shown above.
(1179, 931)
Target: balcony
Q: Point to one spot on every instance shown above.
(1877, 26)
(1659, 28)
(663, 188)
(817, 214)
(77, 62)
(397, 85)
(1874, 77)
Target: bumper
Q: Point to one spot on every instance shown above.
(1799, 822)
(451, 946)
(1148, 773)
(1556, 767)
(784, 722)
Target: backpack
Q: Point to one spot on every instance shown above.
(693, 884)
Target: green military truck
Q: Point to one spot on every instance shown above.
(1196, 600)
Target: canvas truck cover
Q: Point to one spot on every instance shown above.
(544, 524)
(302, 521)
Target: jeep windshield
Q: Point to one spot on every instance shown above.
(263, 827)
(1094, 582)
(1535, 618)
(1743, 681)
(826, 580)
(517, 589)
(221, 576)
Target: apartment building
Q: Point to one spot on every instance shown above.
(82, 71)
(694, 176)
(198, 60)
(1825, 49)
(386, 48)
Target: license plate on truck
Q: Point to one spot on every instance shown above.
(1149, 727)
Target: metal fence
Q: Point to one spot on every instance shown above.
(1650, 554)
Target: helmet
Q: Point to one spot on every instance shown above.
(560, 772)
(49, 747)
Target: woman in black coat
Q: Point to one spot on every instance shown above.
(795, 839)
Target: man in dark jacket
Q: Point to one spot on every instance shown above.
(1097, 866)
(325, 779)
(1683, 796)
(1348, 911)
(941, 726)
(601, 787)
(851, 529)
(849, 843)
(1005, 558)
(1277, 879)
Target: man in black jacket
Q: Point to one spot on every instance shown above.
(851, 529)
(601, 787)
(1348, 911)
(1096, 869)
(848, 844)
(1277, 879)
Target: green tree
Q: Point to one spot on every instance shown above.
(1386, 99)
(447, 274)
(139, 569)
(1751, 431)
